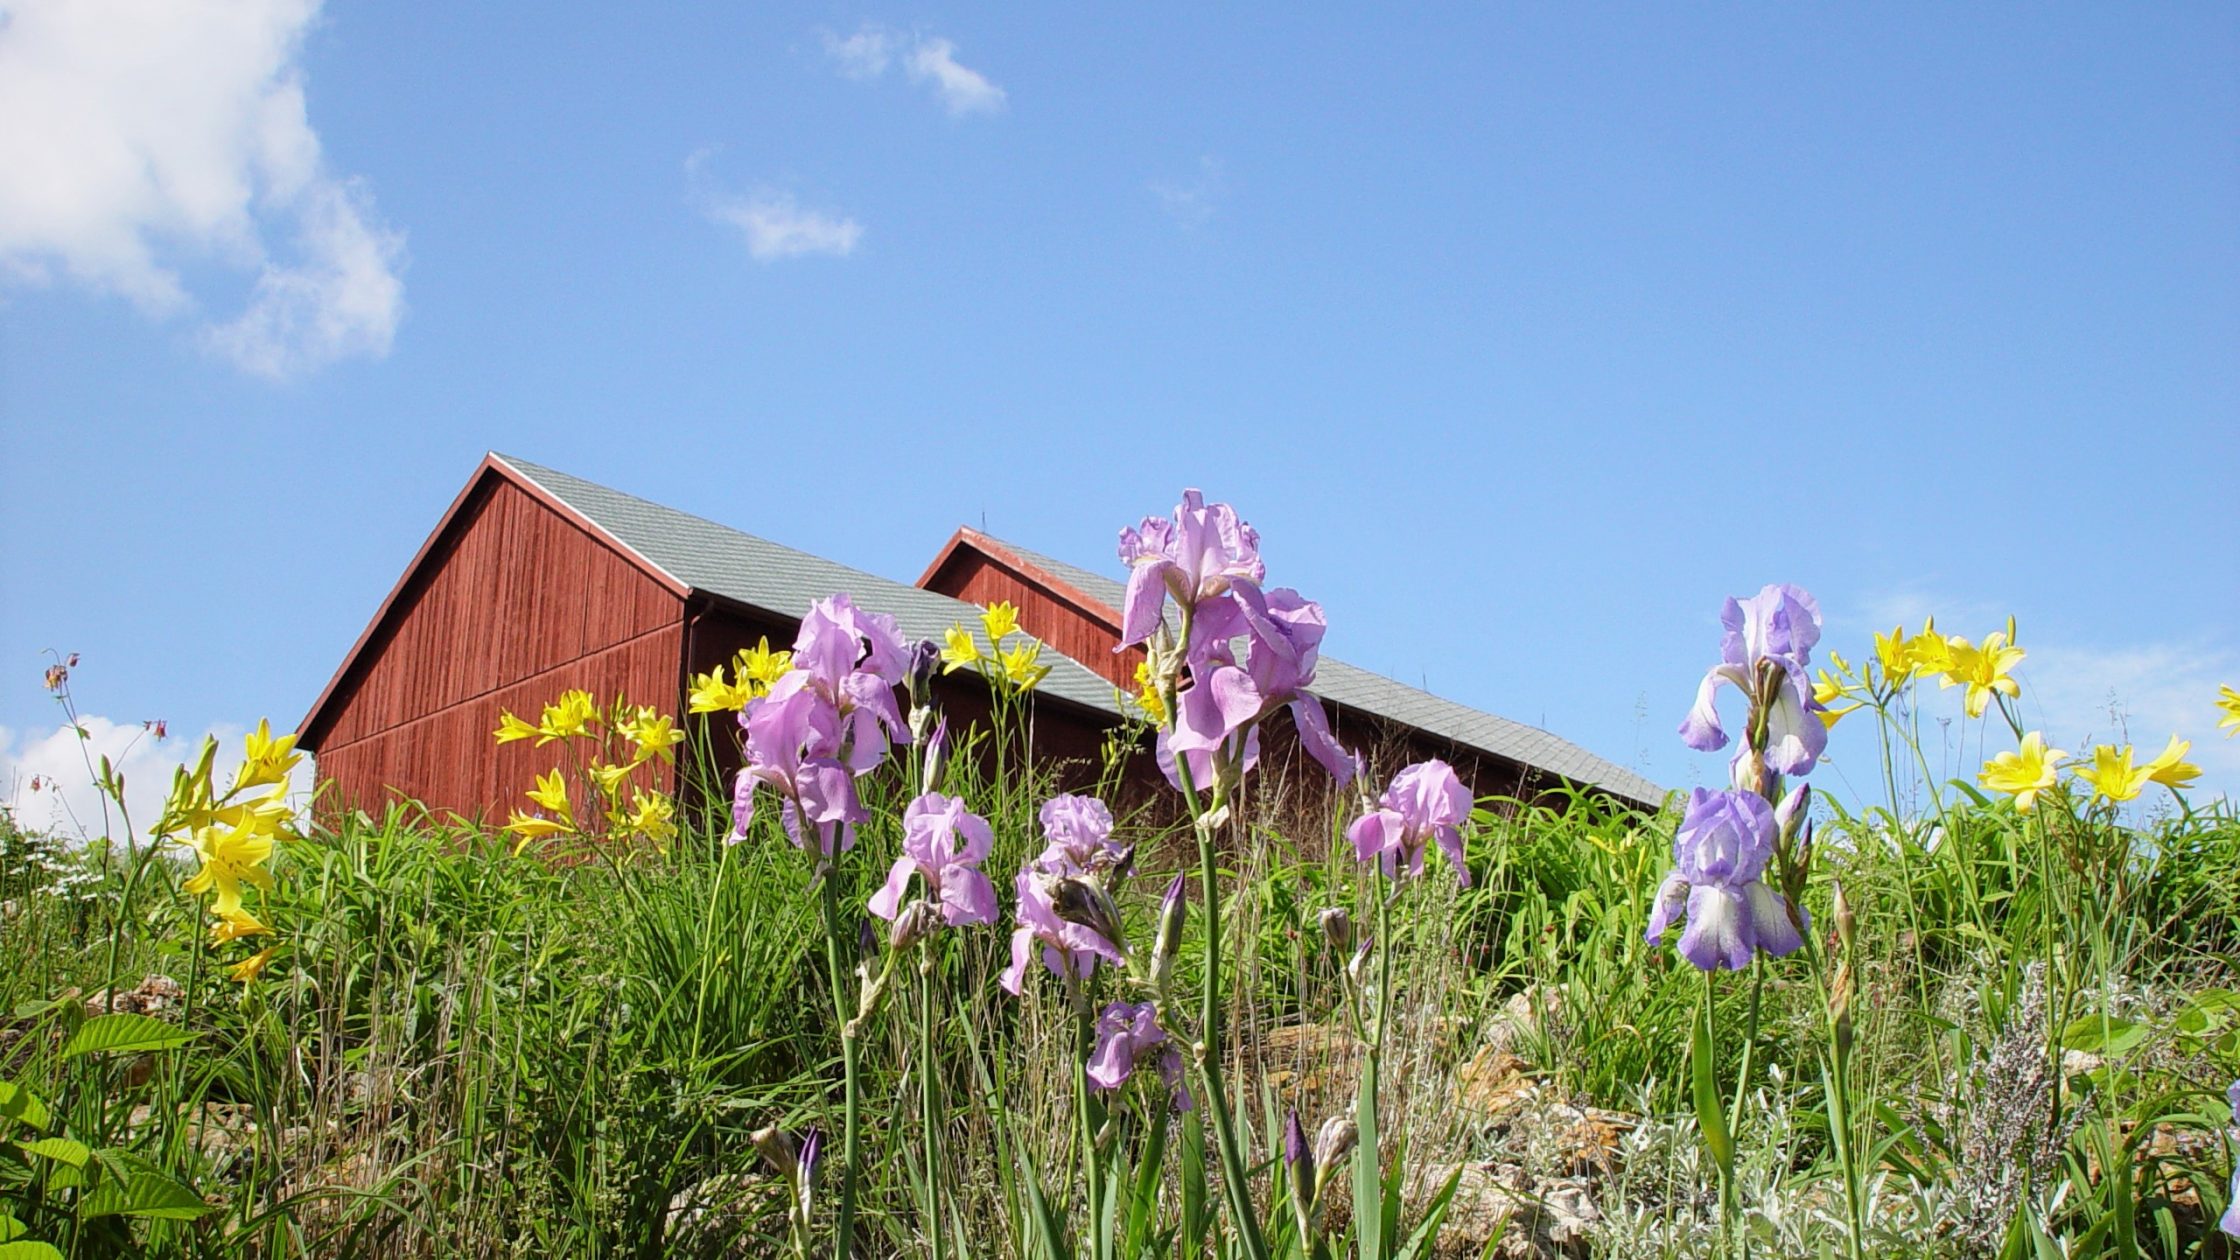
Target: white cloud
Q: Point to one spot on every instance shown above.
(143, 137)
(1192, 204)
(65, 800)
(929, 60)
(776, 226)
(2141, 696)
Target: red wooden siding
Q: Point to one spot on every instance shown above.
(510, 604)
(976, 570)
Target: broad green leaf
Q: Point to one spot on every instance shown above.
(144, 1194)
(2103, 1036)
(1368, 1177)
(10, 1228)
(28, 1250)
(22, 1106)
(125, 1034)
(1710, 1111)
(60, 1150)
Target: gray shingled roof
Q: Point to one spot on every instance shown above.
(1352, 687)
(777, 579)
(783, 581)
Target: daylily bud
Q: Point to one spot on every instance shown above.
(1174, 909)
(1298, 1172)
(1085, 902)
(1337, 928)
(917, 921)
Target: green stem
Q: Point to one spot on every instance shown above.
(929, 1103)
(844, 1230)
(1749, 1035)
(1085, 1109)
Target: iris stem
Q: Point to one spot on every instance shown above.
(844, 1229)
(929, 1102)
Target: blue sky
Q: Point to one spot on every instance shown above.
(1525, 334)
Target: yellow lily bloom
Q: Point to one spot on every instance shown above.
(960, 650)
(231, 856)
(2112, 775)
(236, 926)
(511, 728)
(760, 667)
(2025, 772)
(552, 793)
(1001, 620)
(248, 969)
(1147, 693)
(1983, 670)
(1826, 692)
(654, 734)
(2170, 768)
(711, 694)
(1929, 651)
(1019, 665)
(608, 778)
(1890, 651)
(531, 827)
(2228, 703)
(265, 759)
(653, 815)
(566, 718)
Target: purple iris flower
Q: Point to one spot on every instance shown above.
(2230, 1221)
(1424, 803)
(1719, 859)
(1195, 556)
(945, 843)
(1069, 950)
(1766, 646)
(1129, 1034)
(1079, 829)
(832, 717)
(1283, 643)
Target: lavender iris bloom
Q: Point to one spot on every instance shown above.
(1068, 950)
(1424, 803)
(2230, 1221)
(1129, 1034)
(945, 843)
(1079, 830)
(1283, 643)
(1766, 646)
(1719, 859)
(1195, 556)
(830, 719)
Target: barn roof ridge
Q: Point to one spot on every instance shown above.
(731, 564)
(1352, 686)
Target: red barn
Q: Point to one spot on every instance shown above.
(535, 581)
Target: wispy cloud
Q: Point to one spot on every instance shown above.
(1192, 203)
(928, 60)
(776, 226)
(143, 136)
(45, 784)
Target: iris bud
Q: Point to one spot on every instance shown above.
(1298, 1172)
(917, 921)
(1174, 909)
(1085, 902)
(1337, 928)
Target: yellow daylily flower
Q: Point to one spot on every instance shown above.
(1001, 621)
(552, 793)
(1826, 692)
(653, 815)
(511, 728)
(248, 969)
(1929, 651)
(609, 778)
(654, 734)
(1019, 665)
(231, 856)
(1983, 670)
(2228, 703)
(532, 827)
(759, 667)
(2170, 768)
(1890, 651)
(2112, 775)
(960, 650)
(711, 694)
(236, 926)
(1147, 693)
(566, 718)
(2025, 772)
(266, 759)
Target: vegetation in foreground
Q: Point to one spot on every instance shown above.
(1347, 1016)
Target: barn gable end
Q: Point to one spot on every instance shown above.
(512, 599)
